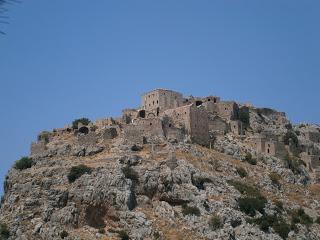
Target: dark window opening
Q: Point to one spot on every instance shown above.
(198, 103)
(170, 125)
(158, 110)
(214, 100)
(142, 113)
(84, 130)
(209, 99)
(268, 150)
(150, 124)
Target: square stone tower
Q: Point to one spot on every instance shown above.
(160, 100)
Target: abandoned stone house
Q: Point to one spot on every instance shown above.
(268, 145)
(312, 136)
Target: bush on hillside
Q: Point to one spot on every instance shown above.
(275, 179)
(299, 216)
(291, 135)
(4, 231)
(123, 235)
(276, 222)
(215, 222)
(190, 210)
(244, 116)
(252, 201)
(242, 172)
(84, 121)
(249, 159)
(78, 171)
(23, 163)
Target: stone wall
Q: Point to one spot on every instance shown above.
(193, 119)
(236, 127)
(227, 110)
(217, 125)
(161, 99)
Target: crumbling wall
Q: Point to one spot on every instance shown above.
(224, 109)
(217, 125)
(199, 125)
(236, 127)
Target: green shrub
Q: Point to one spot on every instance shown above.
(242, 172)
(123, 235)
(317, 220)
(190, 210)
(293, 163)
(4, 231)
(281, 228)
(279, 205)
(23, 163)
(248, 158)
(78, 171)
(130, 173)
(84, 121)
(215, 222)
(277, 223)
(275, 179)
(101, 231)
(244, 188)
(288, 126)
(252, 201)
(64, 234)
(299, 216)
(291, 135)
(244, 116)
(249, 205)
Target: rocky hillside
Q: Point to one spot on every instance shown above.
(110, 189)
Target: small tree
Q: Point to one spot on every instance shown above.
(248, 158)
(4, 231)
(242, 172)
(77, 172)
(215, 222)
(84, 121)
(190, 210)
(275, 179)
(23, 163)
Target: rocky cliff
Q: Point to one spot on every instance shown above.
(95, 185)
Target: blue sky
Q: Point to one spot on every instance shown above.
(61, 60)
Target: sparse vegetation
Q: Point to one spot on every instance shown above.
(276, 222)
(279, 205)
(78, 171)
(64, 234)
(244, 116)
(215, 222)
(293, 163)
(130, 173)
(123, 235)
(190, 210)
(101, 231)
(84, 121)
(317, 220)
(299, 216)
(291, 135)
(136, 148)
(23, 163)
(249, 159)
(252, 201)
(242, 172)
(275, 179)
(4, 231)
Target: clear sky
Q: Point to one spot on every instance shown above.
(62, 60)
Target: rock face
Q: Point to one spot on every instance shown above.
(144, 194)
(95, 183)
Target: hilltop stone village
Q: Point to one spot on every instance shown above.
(174, 168)
(166, 115)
